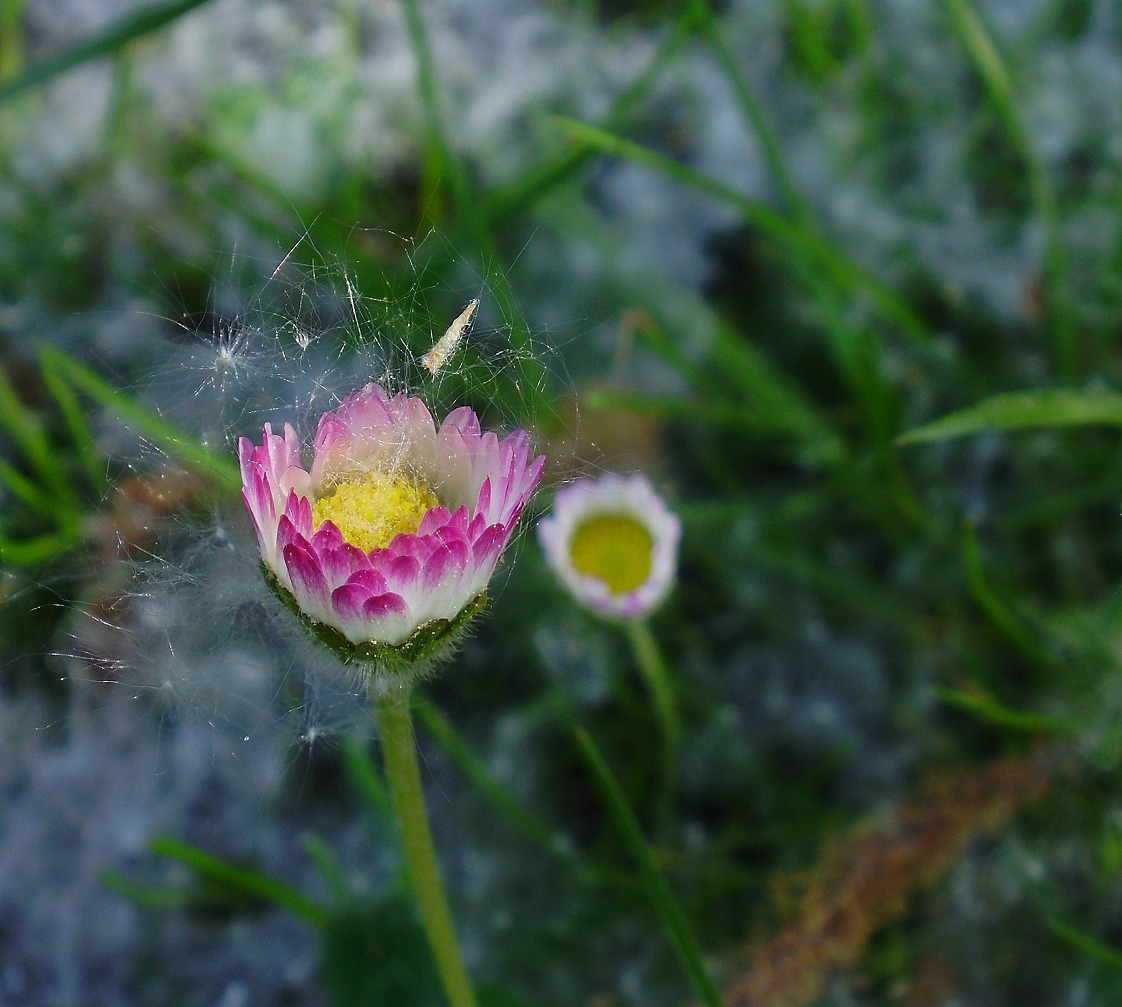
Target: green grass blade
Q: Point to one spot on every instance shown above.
(987, 62)
(221, 467)
(998, 612)
(441, 162)
(662, 899)
(242, 879)
(1016, 720)
(717, 414)
(366, 781)
(328, 865)
(1084, 942)
(28, 491)
(998, 82)
(112, 40)
(542, 178)
(1050, 407)
(750, 109)
(80, 432)
(149, 896)
(31, 552)
(473, 768)
(27, 432)
(11, 38)
(771, 391)
(812, 250)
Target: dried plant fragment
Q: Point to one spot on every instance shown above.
(868, 876)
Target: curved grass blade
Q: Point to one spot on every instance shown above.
(175, 441)
(330, 869)
(112, 40)
(149, 896)
(998, 611)
(751, 110)
(27, 433)
(63, 394)
(662, 899)
(1049, 407)
(813, 251)
(1096, 949)
(474, 769)
(22, 488)
(1016, 720)
(242, 879)
(366, 781)
(30, 552)
(998, 82)
(542, 178)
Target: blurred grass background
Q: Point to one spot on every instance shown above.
(841, 275)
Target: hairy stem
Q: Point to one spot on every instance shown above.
(395, 726)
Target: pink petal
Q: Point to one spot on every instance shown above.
(433, 521)
(309, 587)
(382, 605)
(446, 562)
(489, 545)
(347, 602)
(401, 571)
(464, 420)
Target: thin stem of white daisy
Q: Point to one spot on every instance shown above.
(650, 662)
(395, 728)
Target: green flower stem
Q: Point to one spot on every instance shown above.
(650, 663)
(395, 726)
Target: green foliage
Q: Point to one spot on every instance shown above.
(377, 954)
(864, 456)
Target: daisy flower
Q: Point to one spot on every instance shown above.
(386, 544)
(614, 545)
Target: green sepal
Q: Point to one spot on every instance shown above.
(409, 660)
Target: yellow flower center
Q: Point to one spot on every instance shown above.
(614, 548)
(373, 508)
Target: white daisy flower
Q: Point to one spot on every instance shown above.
(614, 544)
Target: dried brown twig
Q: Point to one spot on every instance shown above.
(868, 876)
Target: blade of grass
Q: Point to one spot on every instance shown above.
(474, 769)
(542, 178)
(815, 252)
(11, 38)
(1017, 720)
(998, 612)
(750, 109)
(1084, 942)
(242, 879)
(112, 40)
(998, 82)
(717, 414)
(80, 432)
(28, 491)
(149, 896)
(170, 438)
(442, 161)
(328, 865)
(27, 432)
(662, 899)
(366, 781)
(1049, 407)
(771, 391)
(31, 552)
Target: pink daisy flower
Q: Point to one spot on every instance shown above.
(386, 545)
